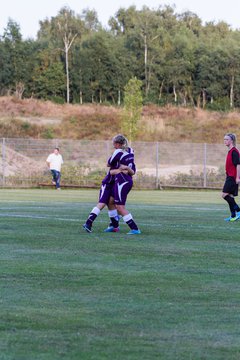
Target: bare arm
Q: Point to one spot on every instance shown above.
(118, 171)
(238, 174)
(128, 169)
(122, 169)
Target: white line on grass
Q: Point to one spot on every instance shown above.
(180, 226)
(153, 207)
(36, 217)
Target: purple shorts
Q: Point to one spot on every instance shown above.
(121, 191)
(105, 193)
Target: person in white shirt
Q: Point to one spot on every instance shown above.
(54, 162)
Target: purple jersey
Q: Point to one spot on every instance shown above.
(122, 157)
(107, 187)
(113, 163)
(109, 179)
(124, 182)
(127, 158)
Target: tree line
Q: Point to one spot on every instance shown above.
(178, 59)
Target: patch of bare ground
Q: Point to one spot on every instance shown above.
(10, 106)
(44, 119)
(89, 121)
(177, 124)
(15, 163)
(39, 120)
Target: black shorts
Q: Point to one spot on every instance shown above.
(230, 186)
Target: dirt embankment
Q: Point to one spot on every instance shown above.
(44, 119)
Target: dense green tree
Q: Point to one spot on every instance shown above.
(180, 62)
(123, 21)
(217, 72)
(191, 21)
(230, 60)
(16, 61)
(50, 83)
(13, 57)
(132, 108)
(6, 76)
(177, 58)
(90, 21)
(101, 68)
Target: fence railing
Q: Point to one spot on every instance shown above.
(159, 164)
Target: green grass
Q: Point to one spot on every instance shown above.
(170, 293)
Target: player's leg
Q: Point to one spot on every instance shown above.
(103, 200)
(120, 197)
(92, 217)
(230, 200)
(236, 207)
(230, 189)
(128, 219)
(113, 216)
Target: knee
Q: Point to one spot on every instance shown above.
(119, 208)
(100, 206)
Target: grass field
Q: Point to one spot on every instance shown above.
(172, 292)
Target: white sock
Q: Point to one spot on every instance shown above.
(127, 217)
(96, 211)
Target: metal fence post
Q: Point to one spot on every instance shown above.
(3, 160)
(205, 166)
(157, 163)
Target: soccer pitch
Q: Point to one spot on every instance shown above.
(170, 293)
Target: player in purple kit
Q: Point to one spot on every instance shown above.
(123, 185)
(106, 194)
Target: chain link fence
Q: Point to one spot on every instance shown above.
(159, 164)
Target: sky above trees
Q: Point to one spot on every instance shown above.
(28, 13)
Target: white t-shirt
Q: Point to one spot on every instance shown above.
(55, 161)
